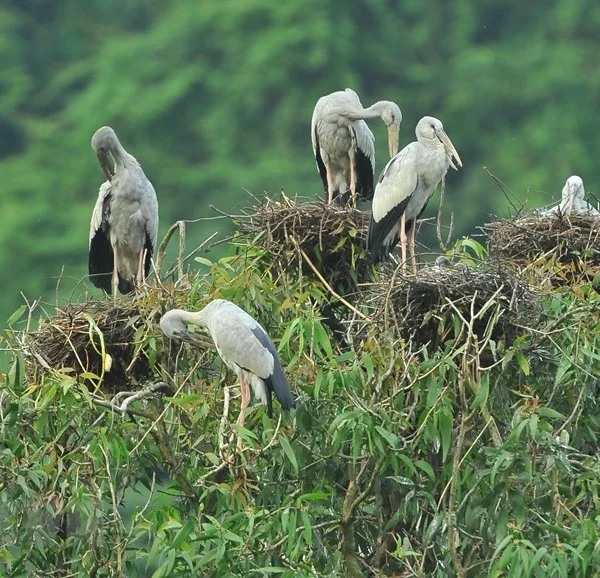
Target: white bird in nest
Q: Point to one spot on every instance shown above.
(573, 200)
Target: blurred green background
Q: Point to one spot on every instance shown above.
(216, 96)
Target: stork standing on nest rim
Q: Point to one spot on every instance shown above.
(124, 225)
(404, 188)
(344, 146)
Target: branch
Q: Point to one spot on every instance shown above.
(161, 438)
(327, 285)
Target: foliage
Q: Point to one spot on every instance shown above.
(396, 460)
(214, 97)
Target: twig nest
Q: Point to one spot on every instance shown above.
(331, 237)
(440, 302)
(554, 237)
(98, 340)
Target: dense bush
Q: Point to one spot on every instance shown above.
(397, 461)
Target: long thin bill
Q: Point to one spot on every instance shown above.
(445, 139)
(393, 138)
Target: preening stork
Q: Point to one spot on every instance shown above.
(343, 144)
(573, 200)
(124, 224)
(404, 188)
(243, 345)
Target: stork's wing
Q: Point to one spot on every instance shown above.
(101, 209)
(150, 212)
(100, 260)
(353, 98)
(241, 339)
(396, 184)
(365, 158)
(316, 117)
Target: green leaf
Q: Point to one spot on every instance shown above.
(323, 339)
(483, 391)
(203, 261)
(558, 530)
(390, 437)
(312, 497)
(212, 458)
(423, 465)
(183, 534)
(307, 526)
(551, 413)
(445, 424)
(523, 363)
(16, 315)
(289, 452)
(533, 425)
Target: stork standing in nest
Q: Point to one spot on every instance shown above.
(404, 188)
(344, 146)
(124, 225)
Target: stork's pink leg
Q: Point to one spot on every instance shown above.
(330, 184)
(244, 404)
(411, 245)
(115, 279)
(353, 179)
(140, 271)
(403, 240)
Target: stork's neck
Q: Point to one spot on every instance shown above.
(121, 156)
(433, 144)
(373, 111)
(194, 318)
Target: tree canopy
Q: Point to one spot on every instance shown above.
(473, 453)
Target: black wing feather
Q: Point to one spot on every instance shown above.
(364, 176)
(276, 382)
(378, 231)
(149, 247)
(320, 163)
(100, 259)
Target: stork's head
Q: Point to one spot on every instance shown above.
(430, 129)
(105, 142)
(392, 117)
(174, 324)
(574, 188)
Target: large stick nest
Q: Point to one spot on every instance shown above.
(438, 303)
(95, 338)
(573, 240)
(330, 237)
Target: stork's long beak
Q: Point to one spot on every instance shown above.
(197, 339)
(445, 140)
(103, 157)
(393, 138)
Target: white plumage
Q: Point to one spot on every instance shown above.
(573, 200)
(242, 344)
(404, 188)
(124, 223)
(343, 144)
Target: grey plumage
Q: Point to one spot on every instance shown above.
(405, 186)
(124, 224)
(243, 345)
(343, 144)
